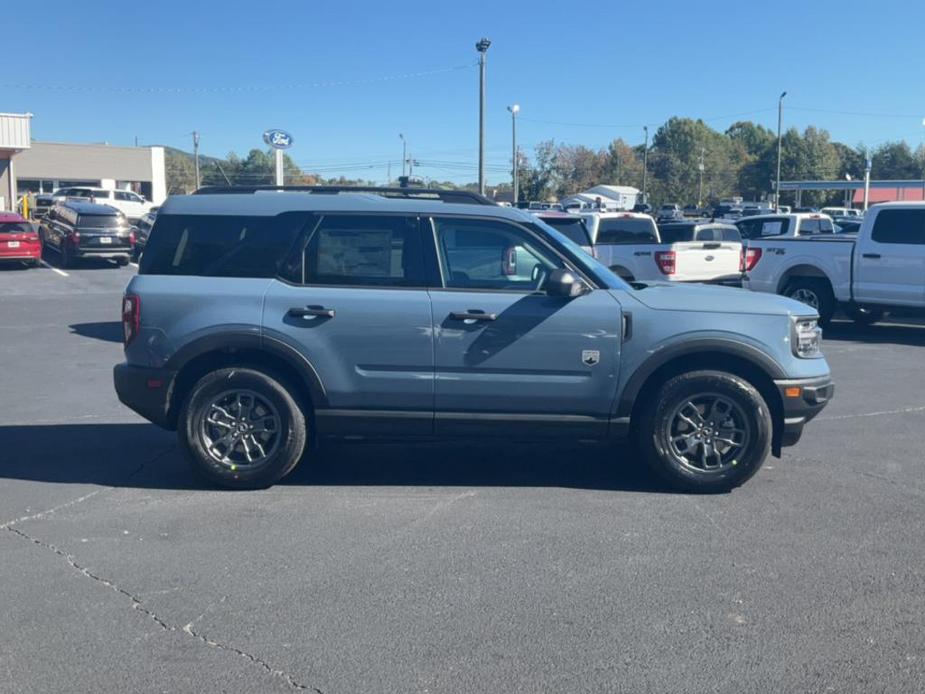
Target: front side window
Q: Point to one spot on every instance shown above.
(899, 226)
(365, 250)
(487, 254)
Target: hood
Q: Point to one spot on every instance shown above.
(669, 296)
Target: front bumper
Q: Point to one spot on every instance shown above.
(802, 399)
(146, 390)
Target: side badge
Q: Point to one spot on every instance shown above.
(590, 357)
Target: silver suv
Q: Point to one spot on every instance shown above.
(263, 319)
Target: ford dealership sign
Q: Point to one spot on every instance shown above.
(278, 139)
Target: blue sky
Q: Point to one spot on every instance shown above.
(582, 73)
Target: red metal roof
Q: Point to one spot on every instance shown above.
(888, 195)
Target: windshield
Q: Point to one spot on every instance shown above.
(15, 228)
(105, 221)
(590, 265)
(573, 228)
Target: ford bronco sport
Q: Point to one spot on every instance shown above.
(264, 319)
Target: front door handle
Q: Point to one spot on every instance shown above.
(473, 315)
(310, 312)
(875, 256)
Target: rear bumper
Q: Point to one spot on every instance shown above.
(145, 390)
(814, 394)
(121, 252)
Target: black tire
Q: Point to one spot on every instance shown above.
(659, 415)
(122, 262)
(818, 291)
(863, 315)
(67, 260)
(284, 454)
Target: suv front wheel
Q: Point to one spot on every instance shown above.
(242, 428)
(705, 431)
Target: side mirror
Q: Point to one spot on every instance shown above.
(562, 282)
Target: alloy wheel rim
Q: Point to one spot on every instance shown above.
(240, 430)
(806, 296)
(708, 433)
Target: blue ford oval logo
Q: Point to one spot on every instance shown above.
(278, 139)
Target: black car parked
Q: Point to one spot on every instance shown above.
(142, 229)
(86, 230)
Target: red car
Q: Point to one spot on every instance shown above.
(19, 240)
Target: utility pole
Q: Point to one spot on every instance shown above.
(404, 153)
(136, 140)
(514, 111)
(196, 155)
(867, 166)
(645, 164)
(780, 118)
(700, 167)
(482, 48)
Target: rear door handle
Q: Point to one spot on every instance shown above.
(875, 256)
(310, 311)
(473, 315)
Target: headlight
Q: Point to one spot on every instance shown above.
(805, 337)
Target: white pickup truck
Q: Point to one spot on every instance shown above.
(882, 267)
(786, 225)
(637, 250)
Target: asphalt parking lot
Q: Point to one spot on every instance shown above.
(445, 568)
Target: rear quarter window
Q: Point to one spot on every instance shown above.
(899, 226)
(220, 245)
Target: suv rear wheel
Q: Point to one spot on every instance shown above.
(242, 428)
(705, 431)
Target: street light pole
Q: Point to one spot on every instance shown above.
(780, 118)
(482, 48)
(700, 167)
(196, 156)
(514, 110)
(645, 164)
(404, 153)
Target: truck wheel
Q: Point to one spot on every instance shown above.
(813, 292)
(242, 428)
(705, 431)
(863, 315)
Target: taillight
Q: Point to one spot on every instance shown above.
(665, 261)
(131, 237)
(74, 237)
(131, 317)
(749, 258)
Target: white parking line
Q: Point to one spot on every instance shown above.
(52, 267)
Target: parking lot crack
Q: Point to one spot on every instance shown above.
(162, 623)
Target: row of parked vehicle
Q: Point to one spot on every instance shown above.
(75, 228)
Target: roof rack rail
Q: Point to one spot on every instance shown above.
(464, 197)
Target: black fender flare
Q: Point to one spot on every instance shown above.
(242, 339)
(697, 346)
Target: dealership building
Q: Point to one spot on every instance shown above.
(27, 166)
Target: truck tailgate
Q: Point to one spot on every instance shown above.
(699, 261)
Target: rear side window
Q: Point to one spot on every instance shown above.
(775, 227)
(731, 235)
(220, 245)
(899, 226)
(365, 250)
(104, 221)
(628, 230)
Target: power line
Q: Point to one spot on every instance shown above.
(237, 89)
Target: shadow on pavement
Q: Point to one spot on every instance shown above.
(888, 333)
(144, 456)
(108, 331)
